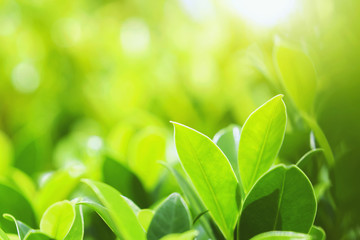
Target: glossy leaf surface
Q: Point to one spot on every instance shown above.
(261, 139)
(204, 162)
(283, 199)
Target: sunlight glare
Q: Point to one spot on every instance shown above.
(265, 13)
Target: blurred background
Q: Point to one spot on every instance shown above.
(80, 78)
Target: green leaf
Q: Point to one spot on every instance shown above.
(281, 235)
(283, 199)
(22, 228)
(261, 139)
(189, 235)
(193, 199)
(14, 203)
(6, 153)
(298, 75)
(227, 140)
(57, 188)
(36, 235)
(172, 216)
(77, 229)
(3, 235)
(311, 163)
(130, 185)
(211, 174)
(58, 219)
(317, 233)
(115, 211)
(145, 216)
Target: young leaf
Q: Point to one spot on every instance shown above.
(211, 174)
(77, 229)
(261, 139)
(311, 163)
(58, 219)
(298, 75)
(283, 199)
(22, 228)
(317, 233)
(172, 216)
(116, 212)
(281, 235)
(227, 140)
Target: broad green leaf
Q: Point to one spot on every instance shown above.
(227, 140)
(298, 75)
(77, 229)
(130, 185)
(317, 233)
(3, 235)
(145, 216)
(22, 228)
(283, 199)
(189, 235)
(57, 188)
(14, 203)
(172, 216)
(197, 207)
(211, 174)
(23, 183)
(281, 235)
(58, 219)
(115, 211)
(261, 139)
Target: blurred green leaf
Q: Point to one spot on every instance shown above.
(6, 153)
(22, 228)
(3, 235)
(145, 216)
(211, 174)
(261, 139)
(172, 216)
(115, 211)
(282, 199)
(189, 235)
(317, 233)
(298, 75)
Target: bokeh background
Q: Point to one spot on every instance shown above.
(80, 78)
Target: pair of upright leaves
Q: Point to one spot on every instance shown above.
(284, 194)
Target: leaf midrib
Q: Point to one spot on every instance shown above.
(208, 184)
(259, 156)
(280, 201)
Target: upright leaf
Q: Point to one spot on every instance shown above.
(22, 228)
(116, 212)
(283, 199)
(58, 219)
(261, 139)
(211, 174)
(172, 216)
(298, 75)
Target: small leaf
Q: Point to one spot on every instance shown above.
(298, 75)
(227, 140)
(172, 216)
(317, 233)
(145, 216)
(77, 229)
(261, 139)
(281, 235)
(115, 211)
(311, 163)
(283, 199)
(189, 235)
(211, 174)
(58, 219)
(22, 228)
